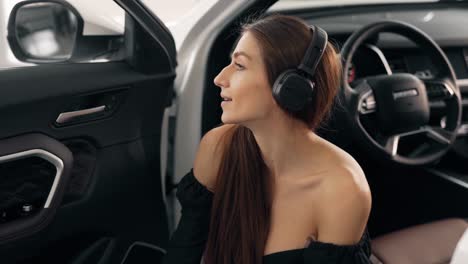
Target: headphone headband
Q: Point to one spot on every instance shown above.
(315, 50)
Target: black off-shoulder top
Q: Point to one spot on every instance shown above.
(188, 241)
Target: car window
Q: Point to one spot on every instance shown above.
(101, 18)
(179, 15)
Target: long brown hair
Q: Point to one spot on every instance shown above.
(241, 210)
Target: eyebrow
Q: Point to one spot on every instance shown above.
(240, 53)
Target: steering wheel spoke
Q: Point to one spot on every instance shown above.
(440, 135)
(392, 142)
(365, 98)
(438, 89)
(391, 146)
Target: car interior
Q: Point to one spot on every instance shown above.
(416, 208)
(80, 160)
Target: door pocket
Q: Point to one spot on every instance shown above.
(27, 183)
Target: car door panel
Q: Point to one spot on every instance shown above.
(109, 195)
(39, 102)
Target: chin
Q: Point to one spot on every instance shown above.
(246, 122)
(226, 119)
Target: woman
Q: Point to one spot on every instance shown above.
(264, 187)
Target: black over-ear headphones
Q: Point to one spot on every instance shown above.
(294, 88)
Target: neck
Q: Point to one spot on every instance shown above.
(285, 143)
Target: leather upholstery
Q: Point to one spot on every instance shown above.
(431, 243)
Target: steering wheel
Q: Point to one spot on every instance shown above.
(390, 113)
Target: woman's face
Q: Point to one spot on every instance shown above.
(245, 82)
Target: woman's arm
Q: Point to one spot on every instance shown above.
(346, 208)
(195, 194)
(209, 155)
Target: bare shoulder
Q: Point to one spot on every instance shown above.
(209, 154)
(346, 200)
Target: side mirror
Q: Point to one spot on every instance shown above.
(44, 31)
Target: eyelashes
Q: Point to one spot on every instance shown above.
(240, 67)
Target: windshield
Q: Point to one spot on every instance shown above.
(295, 4)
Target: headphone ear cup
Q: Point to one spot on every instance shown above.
(277, 86)
(292, 91)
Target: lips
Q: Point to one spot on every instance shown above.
(226, 98)
(224, 102)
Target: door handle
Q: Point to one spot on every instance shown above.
(66, 117)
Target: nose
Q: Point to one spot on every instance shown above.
(221, 80)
